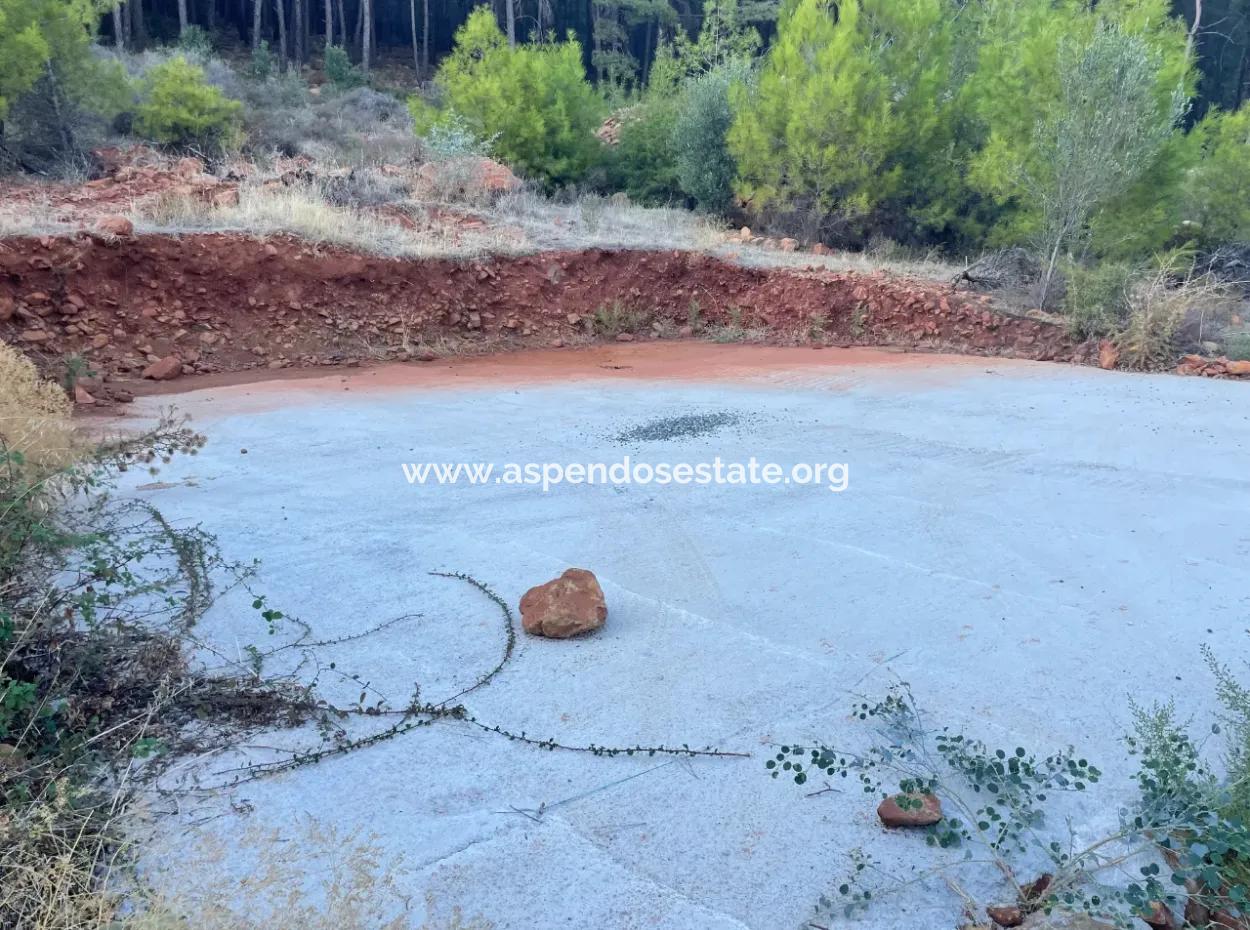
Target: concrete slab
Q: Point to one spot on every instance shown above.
(1026, 544)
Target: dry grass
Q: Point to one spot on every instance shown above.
(594, 222)
(1171, 297)
(54, 851)
(34, 415)
(928, 268)
(304, 211)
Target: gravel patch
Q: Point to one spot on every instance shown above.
(685, 426)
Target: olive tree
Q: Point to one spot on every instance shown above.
(1107, 128)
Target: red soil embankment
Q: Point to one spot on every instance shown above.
(228, 303)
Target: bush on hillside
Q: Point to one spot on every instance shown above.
(1218, 189)
(180, 108)
(643, 163)
(56, 95)
(704, 167)
(533, 99)
(340, 71)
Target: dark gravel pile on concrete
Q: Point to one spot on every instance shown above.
(685, 426)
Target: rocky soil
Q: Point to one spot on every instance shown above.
(162, 306)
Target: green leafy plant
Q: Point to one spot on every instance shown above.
(534, 100)
(261, 65)
(996, 803)
(76, 368)
(179, 107)
(1218, 189)
(340, 71)
(196, 41)
(1095, 300)
(705, 168)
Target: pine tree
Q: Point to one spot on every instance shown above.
(533, 100)
(813, 140)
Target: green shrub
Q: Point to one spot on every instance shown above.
(816, 134)
(195, 41)
(1237, 345)
(705, 169)
(261, 65)
(340, 71)
(1095, 298)
(57, 97)
(445, 133)
(1218, 190)
(643, 163)
(180, 108)
(533, 99)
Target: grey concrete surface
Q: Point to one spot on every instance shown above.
(1027, 545)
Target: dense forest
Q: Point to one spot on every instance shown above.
(620, 37)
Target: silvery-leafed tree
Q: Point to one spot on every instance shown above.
(1109, 125)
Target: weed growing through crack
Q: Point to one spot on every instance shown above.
(1184, 833)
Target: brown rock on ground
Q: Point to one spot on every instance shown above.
(928, 813)
(1239, 368)
(1108, 355)
(1007, 915)
(116, 226)
(1161, 917)
(566, 606)
(83, 396)
(165, 369)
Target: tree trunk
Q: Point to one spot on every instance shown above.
(510, 8)
(425, 37)
(416, 49)
(182, 16)
(342, 25)
(282, 46)
(257, 6)
(119, 33)
(358, 42)
(138, 29)
(329, 23)
(366, 7)
(297, 31)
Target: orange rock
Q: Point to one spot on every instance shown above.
(894, 814)
(789, 245)
(82, 396)
(1108, 355)
(1240, 369)
(566, 606)
(166, 369)
(118, 227)
(1006, 915)
(189, 168)
(1160, 917)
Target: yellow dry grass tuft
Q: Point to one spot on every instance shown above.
(305, 212)
(34, 415)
